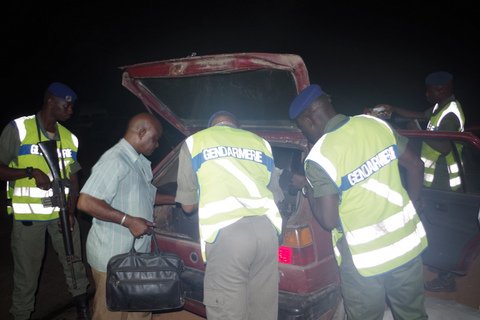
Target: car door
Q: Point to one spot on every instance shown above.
(450, 217)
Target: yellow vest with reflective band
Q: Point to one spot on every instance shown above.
(233, 167)
(430, 156)
(377, 217)
(26, 196)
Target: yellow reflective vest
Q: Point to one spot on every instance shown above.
(378, 220)
(26, 197)
(430, 155)
(233, 167)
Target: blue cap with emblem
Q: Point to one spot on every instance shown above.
(438, 78)
(63, 91)
(304, 99)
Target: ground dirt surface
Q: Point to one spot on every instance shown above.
(54, 302)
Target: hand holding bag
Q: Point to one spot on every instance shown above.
(144, 281)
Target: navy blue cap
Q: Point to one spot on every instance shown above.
(304, 99)
(62, 91)
(438, 78)
(221, 113)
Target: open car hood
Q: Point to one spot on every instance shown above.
(257, 87)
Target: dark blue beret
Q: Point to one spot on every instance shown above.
(438, 78)
(304, 99)
(62, 91)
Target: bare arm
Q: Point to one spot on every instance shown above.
(72, 200)
(73, 194)
(442, 146)
(403, 112)
(187, 182)
(325, 209)
(10, 174)
(414, 169)
(101, 210)
(189, 208)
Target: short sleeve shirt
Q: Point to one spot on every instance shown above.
(187, 190)
(122, 178)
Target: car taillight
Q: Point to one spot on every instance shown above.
(297, 247)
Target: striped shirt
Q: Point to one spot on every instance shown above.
(122, 178)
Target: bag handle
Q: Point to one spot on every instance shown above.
(156, 251)
(154, 240)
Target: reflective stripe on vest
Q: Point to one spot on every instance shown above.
(233, 168)
(430, 165)
(384, 227)
(22, 211)
(372, 259)
(367, 175)
(34, 192)
(451, 107)
(9, 196)
(26, 197)
(430, 156)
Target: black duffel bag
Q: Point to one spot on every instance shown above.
(144, 281)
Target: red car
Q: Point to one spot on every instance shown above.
(258, 88)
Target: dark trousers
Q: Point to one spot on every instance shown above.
(28, 248)
(365, 297)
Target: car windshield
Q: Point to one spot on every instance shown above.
(258, 97)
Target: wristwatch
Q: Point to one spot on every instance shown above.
(29, 171)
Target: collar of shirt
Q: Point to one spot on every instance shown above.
(133, 155)
(336, 122)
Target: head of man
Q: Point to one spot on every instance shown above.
(223, 118)
(143, 133)
(59, 100)
(311, 110)
(439, 86)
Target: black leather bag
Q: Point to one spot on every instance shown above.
(144, 281)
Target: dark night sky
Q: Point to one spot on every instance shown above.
(362, 54)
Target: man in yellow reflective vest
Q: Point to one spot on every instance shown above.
(29, 177)
(446, 114)
(224, 171)
(355, 190)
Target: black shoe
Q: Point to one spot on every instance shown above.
(81, 303)
(445, 281)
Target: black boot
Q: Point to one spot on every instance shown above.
(445, 281)
(81, 302)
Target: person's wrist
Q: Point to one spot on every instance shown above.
(29, 172)
(124, 219)
(305, 190)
